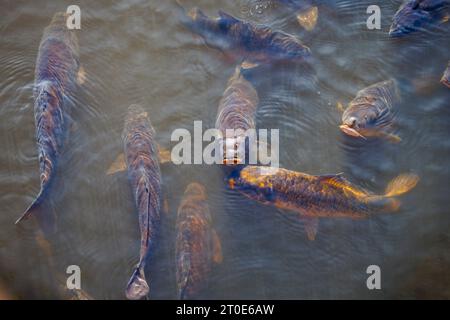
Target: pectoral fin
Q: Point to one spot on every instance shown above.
(311, 225)
(81, 75)
(390, 137)
(118, 165)
(217, 248)
(164, 155)
(376, 133)
(340, 107)
(165, 206)
(308, 18)
(246, 64)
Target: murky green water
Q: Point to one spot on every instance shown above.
(138, 52)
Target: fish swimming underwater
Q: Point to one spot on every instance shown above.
(328, 196)
(197, 243)
(415, 15)
(370, 113)
(144, 175)
(252, 43)
(236, 111)
(445, 80)
(56, 73)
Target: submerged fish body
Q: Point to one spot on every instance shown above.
(370, 113)
(197, 244)
(144, 176)
(415, 15)
(236, 111)
(329, 196)
(445, 80)
(254, 43)
(56, 71)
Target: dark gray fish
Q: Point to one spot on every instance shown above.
(56, 73)
(370, 113)
(236, 111)
(141, 154)
(244, 40)
(197, 244)
(445, 80)
(416, 15)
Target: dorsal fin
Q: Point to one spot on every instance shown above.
(336, 178)
(224, 15)
(339, 181)
(311, 225)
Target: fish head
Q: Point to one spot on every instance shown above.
(355, 120)
(58, 27)
(59, 19)
(136, 111)
(196, 189)
(253, 177)
(412, 16)
(255, 182)
(136, 115)
(233, 149)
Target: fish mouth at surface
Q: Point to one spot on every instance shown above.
(350, 131)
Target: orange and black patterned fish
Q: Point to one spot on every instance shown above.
(329, 196)
(57, 68)
(253, 43)
(197, 244)
(236, 111)
(370, 113)
(445, 80)
(141, 154)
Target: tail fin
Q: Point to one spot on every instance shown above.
(137, 287)
(384, 204)
(34, 206)
(401, 184)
